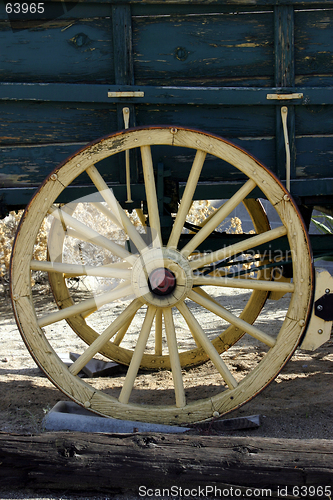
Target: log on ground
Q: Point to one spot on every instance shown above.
(120, 463)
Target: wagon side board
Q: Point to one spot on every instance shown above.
(225, 67)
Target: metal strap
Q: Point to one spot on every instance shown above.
(284, 115)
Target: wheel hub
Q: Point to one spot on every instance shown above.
(162, 282)
(161, 277)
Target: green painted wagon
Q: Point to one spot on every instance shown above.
(245, 91)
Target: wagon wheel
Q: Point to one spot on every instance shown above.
(161, 280)
(156, 360)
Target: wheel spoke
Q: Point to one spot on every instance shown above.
(201, 337)
(115, 207)
(218, 217)
(115, 268)
(240, 247)
(153, 212)
(231, 318)
(121, 291)
(108, 333)
(158, 332)
(247, 283)
(122, 332)
(79, 270)
(187, 198)
(137, 356)
(174, 358)
(91, 235)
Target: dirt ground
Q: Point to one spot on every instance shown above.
(297, 404)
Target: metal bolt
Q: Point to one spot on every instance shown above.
(301, 322)
(87, 404)
(216, 414)
(320, 331)
(327, 290)
(54, 177)
(320, 307)
(174, 131)
(286, 197)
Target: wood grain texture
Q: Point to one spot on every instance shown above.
(120, 464)
(80, 52)
(192, 50)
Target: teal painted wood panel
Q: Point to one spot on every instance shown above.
(314, 120)
(28, 166)
(60, 51)
(216, 49)
(26, 122)
(314, 47)
(314, 157)
(227, 121)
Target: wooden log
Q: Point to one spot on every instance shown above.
(104, 462)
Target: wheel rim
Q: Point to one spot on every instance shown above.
(234, 393)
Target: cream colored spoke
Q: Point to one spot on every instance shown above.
(158, 332)
(92, 235)
(108, 333)
(186, 201)
(231, 318)
(210, 350)
(113, 268)
(218, 217)
(122, 332)
(108, 214)
(240, 247)
(247, 283)
(176, 368)
(121, 291)
(137, 356)
(115, 207)
(153, 212)
(79, 270)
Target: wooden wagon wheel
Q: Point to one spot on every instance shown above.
(162, 280)
(156, 360)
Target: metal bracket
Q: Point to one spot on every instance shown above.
(127, 93)
(323, 307)
(285, 97)
(126, 115)
(319, 330)
(284, 115)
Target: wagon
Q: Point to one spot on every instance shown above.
(137, 111)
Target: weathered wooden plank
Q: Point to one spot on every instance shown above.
(62, 92)
(314, 120)
(124, 75)
(94, 462)
(284, 77)
(314, 157)
(242, 121)
(28, 165)
(203, 49)
(59, 51)
(313, 46)
(28, 122)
